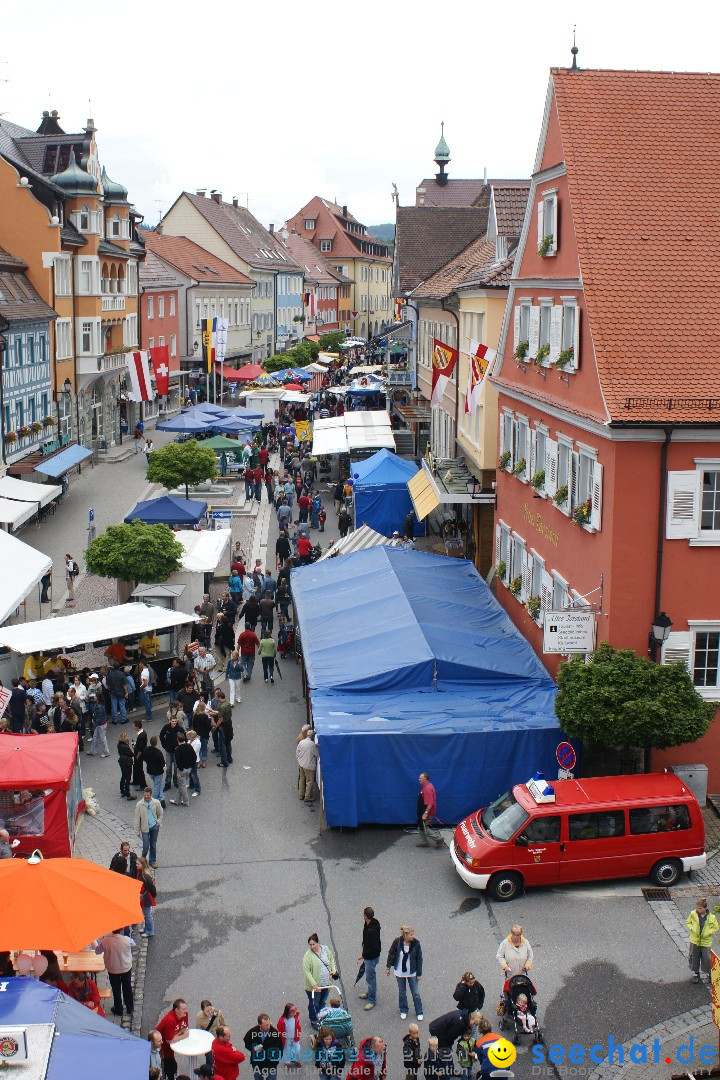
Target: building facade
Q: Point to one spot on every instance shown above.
(160, 289)
(327, 291)
(609, 439)
(352, 251)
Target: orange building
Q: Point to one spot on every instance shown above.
(608, 488)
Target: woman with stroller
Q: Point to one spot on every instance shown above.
(515, 954)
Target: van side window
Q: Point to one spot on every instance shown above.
(654, 819)
(596, 826)
(543, 830)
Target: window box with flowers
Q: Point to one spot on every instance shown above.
(561, 496)
(36, 427)
(581, 513)
(501, 570)
(505, 459)
(533, 606)
(11, 436)
(537, 480)
(520, 467)
(521, 350)
(545, 246)
(566, 357)
(515, 586)
(542, 355)
(48, 421)
(23, 431)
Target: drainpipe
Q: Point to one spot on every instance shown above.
(661, 527)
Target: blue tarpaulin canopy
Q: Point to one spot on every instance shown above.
(412, 665)
(59, 464)
(168, 510)
(382, 498)
(83, 1046)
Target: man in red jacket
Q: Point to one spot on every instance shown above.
(303, 507)
(304, 548)
(226, 1059)
(371, 1052)
(247, 643)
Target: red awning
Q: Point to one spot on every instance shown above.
(37, 760)
(247, 373)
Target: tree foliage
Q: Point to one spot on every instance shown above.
(135, 552)
(330, 342)
(621, 700)
(181, 463)
(299, 355)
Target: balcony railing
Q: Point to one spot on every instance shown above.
(113, 303)
(92, 365)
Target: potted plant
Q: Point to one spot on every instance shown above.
(521, 350)
(501, 570)
(533, 606)
(538, 480)
(505, 459)
(11, 436)
(36, 426)
(561, 496)
(565, 358)
(23, 431)
(48, 421)
(519, 469)
(581, 513)
(516, 585)
(542, 354)
(544, 246)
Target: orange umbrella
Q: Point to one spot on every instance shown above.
(62, 903)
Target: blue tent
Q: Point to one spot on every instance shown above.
(168, 510)
(413, 665)
(186, 423)
(83, 1046)
(382, 498)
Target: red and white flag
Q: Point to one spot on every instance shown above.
(161, 366)
(140, 377)
(444, 360)
(481, 360)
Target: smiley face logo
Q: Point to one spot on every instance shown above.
(502, 1053)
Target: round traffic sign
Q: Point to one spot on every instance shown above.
(566, 756)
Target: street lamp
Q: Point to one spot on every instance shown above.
(660, 632)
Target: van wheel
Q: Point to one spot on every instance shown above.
(666, 873)
(505, 885)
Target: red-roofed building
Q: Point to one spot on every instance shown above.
(608, 374)
(326, 300)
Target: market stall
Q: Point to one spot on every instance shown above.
(382, 499)
(40, 792)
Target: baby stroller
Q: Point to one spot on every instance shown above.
(286, 641)
(341, 1027)
(523, 1023)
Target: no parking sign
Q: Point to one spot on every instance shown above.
(567, 759)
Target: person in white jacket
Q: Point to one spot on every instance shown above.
(515, 954)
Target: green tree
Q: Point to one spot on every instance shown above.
(623, 700)
(135, 552)
(330, 342)
(179, 464)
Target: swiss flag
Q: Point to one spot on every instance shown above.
(160, 362)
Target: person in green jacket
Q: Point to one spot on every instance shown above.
(703, 926)
(268, 651)
(319, 969)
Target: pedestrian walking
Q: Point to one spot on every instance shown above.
(329, 1056)
(371, 1060)
(306, 753)
(233, 674)
(117, 949)
(344, 523)
(98, 719)
(412, 1052)
(224, 639)
(319, 970)
(173, 1027)
(155, 764)
(267, 612)
(268, 652)
(138, 439)
(139, 747)
(370, 956)
(290, 1033)
(515, 954)
(71, 572)
(703, 926)
(247, 643)
(202, 726)
(185, 760)
(204, 665)
(168, 740)
(146, 690)
(116, 684)
(469, 993)
(405, 959)
(224, 727)
(194, 782)
(265, 1046)
(45, 583)
(148, 894)
(147, 821)
(426, 810)
(125, 761)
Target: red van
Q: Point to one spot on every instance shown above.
(582, 830)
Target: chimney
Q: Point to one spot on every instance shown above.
(216, 196)
(344, 211)
(201, 192)
(485, 177)
(271, 228)
(235, 203)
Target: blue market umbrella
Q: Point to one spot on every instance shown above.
(235, 425)
(186, 423)
(301, 375)
(168, 510)
(242, 413)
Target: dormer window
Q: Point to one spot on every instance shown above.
(116, 226)
(547, 223)
(84, 219)
(310, 223)
(326, 245)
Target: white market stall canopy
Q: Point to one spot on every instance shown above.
(295, 397)
(16, 513)
(353, 431)
(124, 620)
(203, 550)
(41, 494)
(362, 538)
(28, 566)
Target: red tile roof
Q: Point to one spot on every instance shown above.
(427, 237)
(643, 170)
(243, 233)
(475, 264)
(193, 261)
(307, 256)
(510, 204)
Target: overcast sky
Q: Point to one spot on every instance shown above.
(275, 102)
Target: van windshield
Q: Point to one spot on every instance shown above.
(504, 817)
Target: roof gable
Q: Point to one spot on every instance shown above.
(244, 234)
(427, 237)
(193, 261)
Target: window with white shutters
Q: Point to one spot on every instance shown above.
(527, 564)
(518, 562)
(533, 332)
(560, 592)
(537, 569)
(547, 222)
(596, 496)
(507, 440)
(546, 591)
(556, 326)
(521, 326)
(677, 648)
(551, 467)
(697, 649)
(710, 503)
(683, 502)
(546, 309)
(564, 473)
(569, 336)
(522, 447)
(539, 458)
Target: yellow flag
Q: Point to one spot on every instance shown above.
(302, 430)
